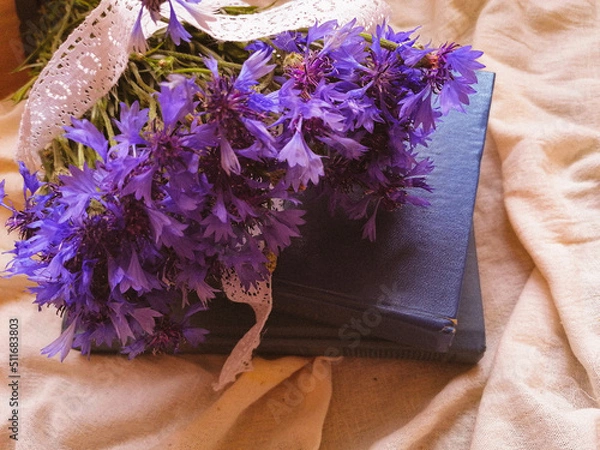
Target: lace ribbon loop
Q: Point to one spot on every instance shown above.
(94, 56)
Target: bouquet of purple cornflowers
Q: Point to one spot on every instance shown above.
(197, 166)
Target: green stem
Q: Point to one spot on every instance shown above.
(58, 37)
(388, 45)
(201, 70)
(199, 59)
(180, 56)
(107, 122)
(23, 90)
(140, 81)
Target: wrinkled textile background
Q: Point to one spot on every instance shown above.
(537, 223)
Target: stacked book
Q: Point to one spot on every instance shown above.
(414, 293)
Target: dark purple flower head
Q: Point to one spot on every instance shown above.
(233, 108)
(340, 55)
(153, 7)
(177, 98)
(307, 70)
(167, 336)
(131, 123)
(452, 72)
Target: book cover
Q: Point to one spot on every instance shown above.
(287, 334)
(412, 276)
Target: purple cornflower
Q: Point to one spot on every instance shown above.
(340, 54)
(175, 29)
(234, 110)
(87, 134)
(304, 165)
(131, 123)
(452, 72)
(389, 96)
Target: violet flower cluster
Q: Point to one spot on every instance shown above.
(130, 246)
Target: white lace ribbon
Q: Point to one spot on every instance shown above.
(260, 299)
(93, 57)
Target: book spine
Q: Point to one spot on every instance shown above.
(369, 349)
(429, 333)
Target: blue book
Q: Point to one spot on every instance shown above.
(413, 293)
(408, 284)
(288, 334)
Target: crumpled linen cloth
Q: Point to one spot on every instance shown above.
(537, 224)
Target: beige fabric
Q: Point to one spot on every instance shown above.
(537, 223)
